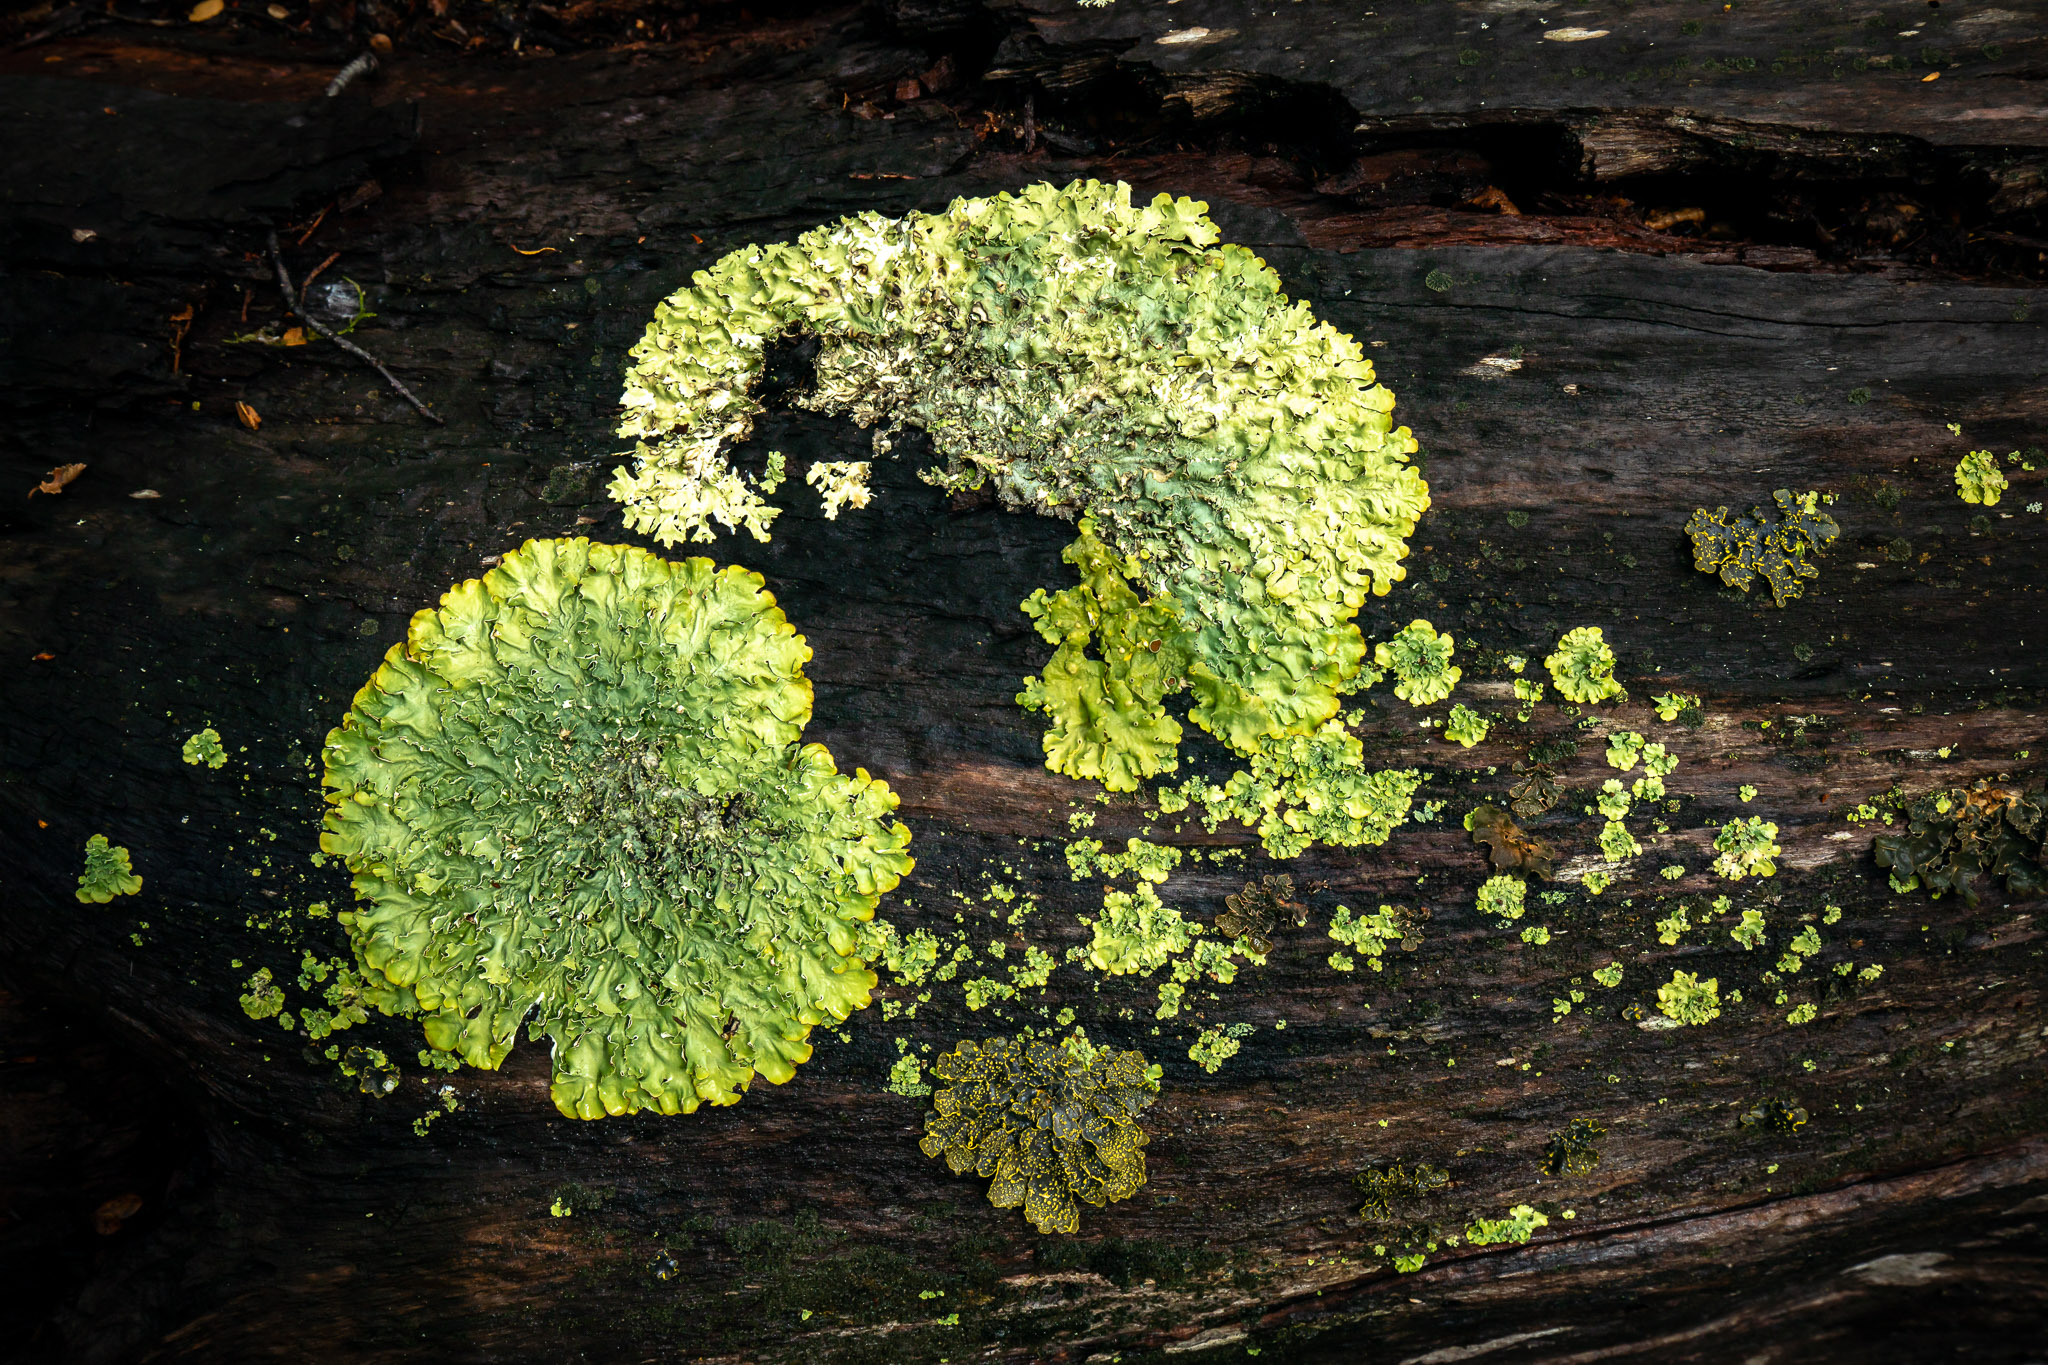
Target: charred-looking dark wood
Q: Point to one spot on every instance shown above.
(1617, 265)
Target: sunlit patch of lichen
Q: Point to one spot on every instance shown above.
(1582, 666)
(1090, 357)
(1746, 846)
(1046, 1123)
(1955, 835)
(1465, 727)
(1742, 549)
(107, 872)
(574, 797)
(1685, 999)
(1420, 660)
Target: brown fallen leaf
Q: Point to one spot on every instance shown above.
(44, 657)
(1664, 219)
(108, 1217)
(205, 10)
(1494, 198)
(294, 336)
(1514, 850)
(57, 478)
(248, 416)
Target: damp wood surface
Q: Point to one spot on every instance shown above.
(1579, 382)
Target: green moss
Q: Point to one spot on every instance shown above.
(204, 747)
(1979, 480)
(1420, 660)
(1046, 1123)
(1689, 1000)
(1382, 1187)
(1746, 847)
(574, 797)
(1503, 896)
(1582, 667)
(1465, 727)
(1515, 1229)
(1094, 359)
(1756, 545)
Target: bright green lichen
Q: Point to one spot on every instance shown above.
(1979, 480)
(1746, 847)
(1617, 845)
(1503, 896)
(1670, 705)
(1216, 1045)
(906, 1078)
(1305, 789)
(575, 797)
(1690, 1000)
(1420, 660)
(1673, 926)
(1624, 747)
(204, 747)
(1741, 549)
(261, 998)
(1370, 934)
(1609, 976)
(1522, 1220)
(1802, 1014)
(1044, 1122)
(1657, 763)
(1136, 934)
(1596, 881)
(107, 873)
(1613, 801)
(1465, 727)
(1147, 862)
(1749, 932)
(1582, 667)
(1094, 359)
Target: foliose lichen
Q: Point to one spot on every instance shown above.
(1136, 934)
(205, 748)
(1382, 1187)
(1515, 1229)
(1582, 667)
(1956, 834)
(107, 872)
(1688, 1000)
(1253, 913)
(1574, 1150)
(574, 797)
(1979, 480)
(1420, 660)
(1465, 727)
(1046, 1123)
(1746, 846)
(1233, 457)
(1502, 896)
(1746, 547)
(1370, 934)
(1512, 849)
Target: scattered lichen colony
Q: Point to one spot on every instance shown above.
(574, 798)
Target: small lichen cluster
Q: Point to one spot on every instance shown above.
(1308, 789)
(1370, 934)
(1512, 849)
(1955, 835)
(1574, 1150)
(1582, 667)
(1514, 1230)
(1685, 999)
(1742, 549)
(1747, 846)
(1420, 660)
(107, 873)
(1381, 1187)
(1253, 913)
(574, 797)
(1979, 480)
(1238, 483)
(205, 748)
(1046, 1123)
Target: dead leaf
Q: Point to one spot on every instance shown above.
(248, 416)
(108, 1217)
(1495, 198)
(57, 478)
(145, 493)
(181, 323)
(44, 657)
(524, 252)
(1930, 76)
(294, 336)
(205, 10)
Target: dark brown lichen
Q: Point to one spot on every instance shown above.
(1513, 849)
(1573, 1150)
(1252, 914)
(1955, 835)
(1382, 1187)
(1743, 548)
(1537, 792)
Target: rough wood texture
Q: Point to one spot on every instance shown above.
(1579, 380)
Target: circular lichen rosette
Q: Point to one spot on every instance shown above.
(1046, 1123)
(1238, 482)
(574, 797)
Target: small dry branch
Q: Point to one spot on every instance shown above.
(293, 302)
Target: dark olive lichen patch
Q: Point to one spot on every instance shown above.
(1956, 835)
(574, 798)
(1742, 548)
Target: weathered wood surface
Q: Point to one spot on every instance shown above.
(1604, 379)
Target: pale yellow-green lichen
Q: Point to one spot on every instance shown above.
(1582, 667)
(1515, 1229)
(1420, 660)
(1136, 934)
(1465, 727)
(107, 873)
(1979, 480)
(1093, 358)
(1311, 789)
(1747, 846)
(574, 797)
(1688, 1000)
(205, 748)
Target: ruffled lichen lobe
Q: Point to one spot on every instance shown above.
(575, 797)
(1046, 1123)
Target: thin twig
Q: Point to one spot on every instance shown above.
(284, 282)
(361, 66)
(307, 283)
